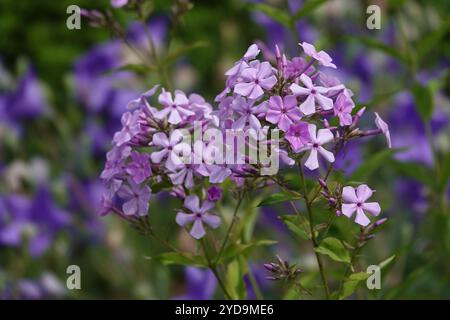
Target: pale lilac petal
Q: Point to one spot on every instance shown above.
(254, 122)
(165, 98)
(157, 156)
(290, 102)
(161, 114)
(192, 203)
(284, 123)
(275, 102)
(211, 220)
(308, 106)
(251, 52)
(183, 218)
(189, 181)
(265, 70)
(249, 74)
(312, 163)
(197, 230)
(348, 209)
(363, 192)
(256, 92)
(361, 218)
(244, 89)
(206, 206)
(309, 49)
(349, 195)
(178, 177)
(324, 136)
(174, 117)
(239, 123)
(130, 207)
(306, 81)
(326, 154)
(325, 102)
(180, 99)
(273, 116)
(312, 131)
(160, 140)
(268, 83)
(299, 91)
(372, 207)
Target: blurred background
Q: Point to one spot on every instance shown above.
(62, 93)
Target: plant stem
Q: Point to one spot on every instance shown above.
(313, 236)
(233, 221)
(214, 271)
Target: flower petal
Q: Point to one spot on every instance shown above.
(312, 163)
(197, 230)
(308, 106)
(363, 192)
(372, 207)
(192, 203)
(211, 220)
(184, 218)
(326, 154)
(348, 209)
(324, 136)
(349, 195)
(361, 218)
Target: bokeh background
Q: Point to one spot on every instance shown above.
(62, 93)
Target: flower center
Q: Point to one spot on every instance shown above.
(256, 81)
(315, 145)
(198, 215)
(313, 91)
(359, 204)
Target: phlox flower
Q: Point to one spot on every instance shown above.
(322, 57)
(383, 126)
(254, 79)
(214, 193)
(139, 167)
(314, 94)
(298, 136)
(171, 148)
(356, 201)
(130, 127)
(175, 108)
(199, 215)
(136, 198)
(283, 112)
(247, 112)
(115, 159)
(315, 145)
(343, 109)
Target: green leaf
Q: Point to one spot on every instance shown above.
(351, 283)
(385, 263)
(236, 271)
(380, 46)
(308, 8)
(424, 101)
(175, 54)
(277, 198)
(293, 223)
(334, 248)
(237, 249)
(184, 259)
(372, 164)
(276, 14)
(417, 172)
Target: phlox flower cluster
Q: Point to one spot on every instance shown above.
(313, 112)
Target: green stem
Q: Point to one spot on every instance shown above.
(313, 236)
(230, 228)
(214, 271)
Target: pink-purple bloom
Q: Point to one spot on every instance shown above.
(322, 137)
(298, 136)
(356, 200)
(136, 198)
(283, 111)
(343, 109)
(256, 79)
(139, 167)
(322, 57)
(314, 94)
(199, 215)
(176, 109)
(214, 193)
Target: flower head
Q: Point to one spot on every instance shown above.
(139, 167)
(255, 79)
(298, 135)
(343, 109)
(198, 216)
(176, 108)
(283, 111)
(136, 198)
(322, 57)
(323, 137)
(356, 201)
(314, 94)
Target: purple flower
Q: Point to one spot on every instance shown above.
(251, 54)
(343, 109)
(298, 135)
(214, 193)
(315, 94)
(115, 159)
(199, 216)
(130, 128)
(255, 79)
(119, 3)
(171, 148)
(139, 167)
(283, 112)
(176, 108)
(136, 198)
(384, 128)
(322, 57)
(247, 113)
(323, 137)
(200, 284)
(356, 201)
(297, 65)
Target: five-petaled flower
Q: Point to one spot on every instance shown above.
(199, 215)
(136, 197)
(343, 109)
(283, 112)
(298, 136)
(255, 79)
(314, 94)
(175, 108)
(315, 145)
(322, 57)
(356, 201)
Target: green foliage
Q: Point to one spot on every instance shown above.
(334, 249)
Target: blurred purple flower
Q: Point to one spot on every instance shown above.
(200, 284)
